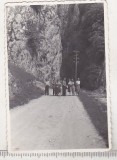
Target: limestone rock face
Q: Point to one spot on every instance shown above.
(34, 40)
(42, 40)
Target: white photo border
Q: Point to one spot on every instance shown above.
(107, 53)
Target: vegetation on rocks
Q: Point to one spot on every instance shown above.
(34, 40)
(83, 31)
(41, 41)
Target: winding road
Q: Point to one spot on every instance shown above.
(53, 122)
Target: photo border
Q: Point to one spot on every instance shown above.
(107, 66)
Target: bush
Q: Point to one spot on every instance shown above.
(90, 77)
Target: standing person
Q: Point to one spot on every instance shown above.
(47, 84)
(59, 87)
(78, 86)
(69, 87)
(64, 87)
(45, 88)
(56, 89)
(72, 87)
(53, 86)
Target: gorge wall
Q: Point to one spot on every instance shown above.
(83, 31)
(41, 41)
(34, 41)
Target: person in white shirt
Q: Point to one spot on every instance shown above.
(73, 87)
(78, 86)
(69, 87)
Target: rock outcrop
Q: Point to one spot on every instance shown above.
(34, 41)
(83, 31)
(41, 40)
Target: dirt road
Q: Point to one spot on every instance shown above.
(53, 122)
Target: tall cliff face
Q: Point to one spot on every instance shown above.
(70, 22)
(34, 41)
(83, 31)
(42, 40)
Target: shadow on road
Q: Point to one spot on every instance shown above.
(22, 87)
(98, 114)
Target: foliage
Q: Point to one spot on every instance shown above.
(85, 34)
(42, 40)
(33, 35)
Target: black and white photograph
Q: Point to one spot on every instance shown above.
(57, 76)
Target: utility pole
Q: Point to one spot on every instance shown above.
(76, 63)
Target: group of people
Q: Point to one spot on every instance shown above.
(62, 87)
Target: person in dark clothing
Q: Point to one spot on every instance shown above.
(47, 84)
(64, 87)
(58, 88)
(53, 86)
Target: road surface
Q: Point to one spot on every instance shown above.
(53, 122)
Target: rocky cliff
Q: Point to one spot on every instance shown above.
(83, 31)
(41, 41)
(34, 41)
